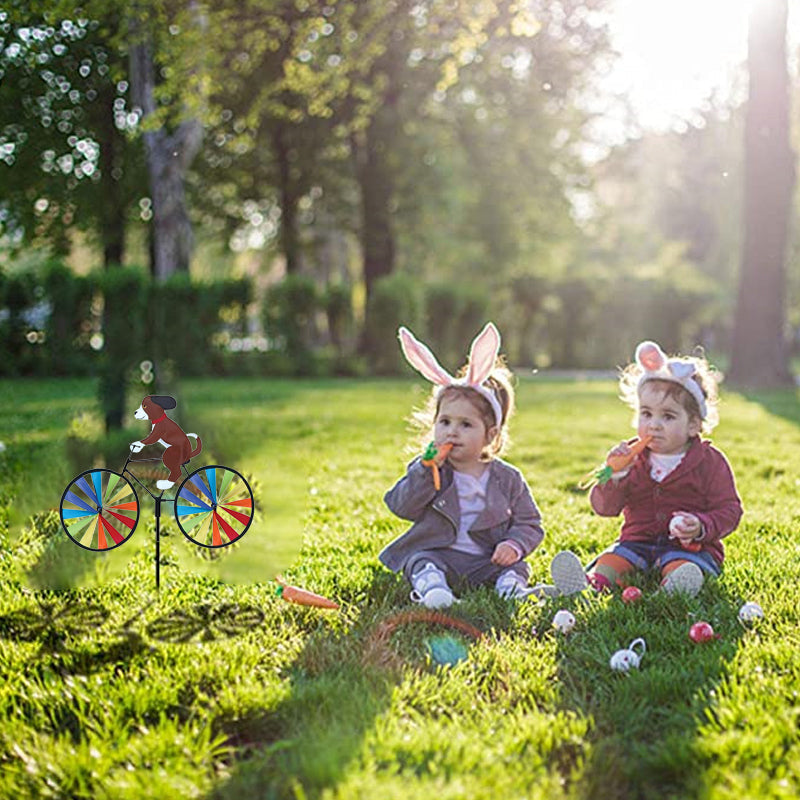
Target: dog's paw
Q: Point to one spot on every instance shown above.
(164, 485)
(136, 447)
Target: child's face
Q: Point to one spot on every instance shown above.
(460, 423)
(665, 419)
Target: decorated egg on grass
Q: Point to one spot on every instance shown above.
(633, 594)
(702, 632)
(564, 621)
(750, 612)
(628, 658)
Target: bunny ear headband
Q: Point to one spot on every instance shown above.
(482, 355)
(656, 366)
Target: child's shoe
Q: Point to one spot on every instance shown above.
(430, 587)
(512, 587)
(568, 575)
(687, 578)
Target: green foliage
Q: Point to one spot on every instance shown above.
(19, 295)
(124, 320)
(454, 314)
(290, 311)
(69, 325)
(184, 320)
(395, 301)
(68, 161)
(338, 303)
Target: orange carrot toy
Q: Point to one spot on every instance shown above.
(615, 464)
(434, 457)
(302, 597)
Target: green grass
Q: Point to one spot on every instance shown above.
(216, 688)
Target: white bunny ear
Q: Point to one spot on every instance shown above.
(650, 356)
(681, 369)
(421, 358)
(483, 354)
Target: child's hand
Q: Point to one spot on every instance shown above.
(436, 453)
(505, 555)
(684, 527)
(622, 449)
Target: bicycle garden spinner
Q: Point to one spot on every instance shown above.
(213, 505)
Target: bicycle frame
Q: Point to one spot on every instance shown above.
(158, 499)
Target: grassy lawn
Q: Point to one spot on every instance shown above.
(216, 688)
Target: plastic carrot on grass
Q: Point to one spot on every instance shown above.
(434, 457)
(302, 596)
(615, 463)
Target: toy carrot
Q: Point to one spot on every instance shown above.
(615, 463)
(434, 457)
(302, 596)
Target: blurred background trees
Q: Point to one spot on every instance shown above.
(359, 166)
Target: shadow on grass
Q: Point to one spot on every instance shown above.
(783, 403)
(645, 722)
(61, 623)
(340, 684)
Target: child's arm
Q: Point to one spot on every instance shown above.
(608, 499)
(724, 505)
(409, 497)
(525, 532)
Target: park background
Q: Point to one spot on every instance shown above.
(238, 204)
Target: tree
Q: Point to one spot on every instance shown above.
(759, 355)
(172, 139)
(69, 159)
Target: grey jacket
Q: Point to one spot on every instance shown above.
(510, 512)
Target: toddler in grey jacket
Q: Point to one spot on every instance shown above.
(472, 514)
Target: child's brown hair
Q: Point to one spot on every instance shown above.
(705, 376)
(500, 381)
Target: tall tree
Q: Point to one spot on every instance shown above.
(68, 159)
(172, 139)
(759, 348)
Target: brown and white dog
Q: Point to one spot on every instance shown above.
(166, 432)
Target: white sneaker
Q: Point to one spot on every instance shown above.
(430, 587)
(567, 572)
(510, 586)
(687, 578)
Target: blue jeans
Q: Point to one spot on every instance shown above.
(659, 553)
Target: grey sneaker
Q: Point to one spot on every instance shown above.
(430, 587)
(568, 575)
(687, 578)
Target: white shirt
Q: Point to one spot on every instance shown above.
(661, 464)
(471, 501)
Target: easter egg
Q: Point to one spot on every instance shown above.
(750, 612)
(701, 632)
(632, 594)
(564, 621)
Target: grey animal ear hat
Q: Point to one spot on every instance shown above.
(657, 367)
(482, 356)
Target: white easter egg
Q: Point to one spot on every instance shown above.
(750, 612)
(564, 621)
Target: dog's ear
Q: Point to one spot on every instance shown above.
(164, 401)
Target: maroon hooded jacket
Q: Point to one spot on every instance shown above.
(701, 484)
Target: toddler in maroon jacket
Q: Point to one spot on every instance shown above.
(678, 497)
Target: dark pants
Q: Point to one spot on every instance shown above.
(474, 570)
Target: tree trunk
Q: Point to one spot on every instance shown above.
(169, 156)
(759, 357)
(290, 241)
(377, 185)
(112, 213)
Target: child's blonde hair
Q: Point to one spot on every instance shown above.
(706, 376)
(500, 381)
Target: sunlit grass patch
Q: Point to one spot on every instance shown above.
(215, 687)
